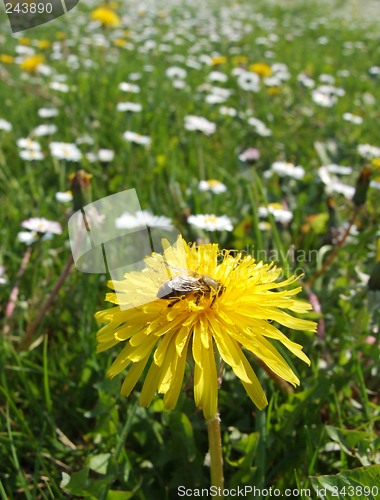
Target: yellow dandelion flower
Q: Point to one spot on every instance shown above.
(203, 317)
(120, 42)
(376, 163)
(31, 62)
(273, 91)
(43, 44)
(239, 60)
(106, 16)
(219, 60)
(261, 69)
(6, 59)
(25, 41)
(60, 35)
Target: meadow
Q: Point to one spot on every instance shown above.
(251, 125)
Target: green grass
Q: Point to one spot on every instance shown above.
(59, 414)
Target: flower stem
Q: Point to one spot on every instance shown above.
(336, 249)
(201, 165)
(27, 339)
(216, 454)
(14, 293)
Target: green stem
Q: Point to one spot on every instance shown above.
(261, 428)
(254, 199)
(216, 454)
(283, 256)
(201, 165)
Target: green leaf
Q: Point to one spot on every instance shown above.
(357, 484)
(80, 484)
(349, 440)
(99, 463)
(183, 431)
(120, 495)
(319, 223)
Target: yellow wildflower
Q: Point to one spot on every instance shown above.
(273, 90)
(233, 307)
(25, 41)
(43, 44)
(261, 69)
(106, 16)
(6, 59)
(120, 42)
(31, 62)
(239, 60)
(219, 60)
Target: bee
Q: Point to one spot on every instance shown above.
(189, 283)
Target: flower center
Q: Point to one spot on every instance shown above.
(210, 218)
(213, 182)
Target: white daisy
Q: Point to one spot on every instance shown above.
(27, 237)
(176, 72)
(28, 144)
(42, 225)
(2, 272)
(45, 129)
(30, 154)
(250, 155)
(357, 120)
(85, 139)
(215, 99)
(134, 107)
(217, 76)
(179, 84)
(280, 214)
(106, 155)
(199, 123)
(129, 87)
(65, 151)
(283, 168)
(142, 218)
(5, 125)
(211, 222)
(337, 169)
(137, 138)
(225, 110)
(61, 87)
(306, 81)
(47, 112)
(259, 126)
(249, 81)
(369, 152)
(63, 197)
(322, 99)
(212, 185)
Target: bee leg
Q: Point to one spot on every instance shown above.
(174, 302)
(218, 294)
(198, 300)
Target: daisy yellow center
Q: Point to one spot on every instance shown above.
(276, 206)
(213, 183)
(210, 218)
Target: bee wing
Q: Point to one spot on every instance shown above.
(185, 283)
(186, 272)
